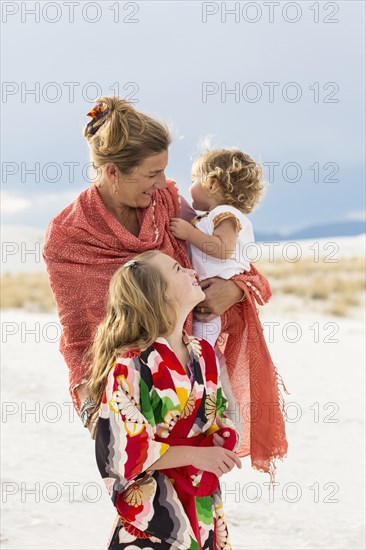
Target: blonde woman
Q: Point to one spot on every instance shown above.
(162, 438)
(124, 212)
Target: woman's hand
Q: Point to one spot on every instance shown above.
(217, 460)
(221, 295)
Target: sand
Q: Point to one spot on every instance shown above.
(53, 496)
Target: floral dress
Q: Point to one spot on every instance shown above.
(151, 402)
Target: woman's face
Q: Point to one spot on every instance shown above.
(136, 189)
(182, 282)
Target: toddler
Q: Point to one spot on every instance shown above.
(226, 184)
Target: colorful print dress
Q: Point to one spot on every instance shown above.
(150, 402)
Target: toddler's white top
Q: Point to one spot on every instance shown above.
(208, 266)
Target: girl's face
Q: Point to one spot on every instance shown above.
(200, 197)
(182, 282)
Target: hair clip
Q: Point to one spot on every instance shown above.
(130, 263)
(99, 115)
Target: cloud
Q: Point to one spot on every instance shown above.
(43, 201)
(12, 204)
(356, 215)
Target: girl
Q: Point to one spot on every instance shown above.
(156, 388)
(227, 184)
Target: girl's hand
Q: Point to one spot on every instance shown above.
(221, 295)
(217, 460)
(180, 228)
(218, 440)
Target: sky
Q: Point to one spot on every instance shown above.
(283, 81)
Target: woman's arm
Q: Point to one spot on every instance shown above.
(78, 321)
(186, 211)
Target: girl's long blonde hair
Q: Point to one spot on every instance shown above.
(138, 311)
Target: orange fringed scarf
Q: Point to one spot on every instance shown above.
(253, 377)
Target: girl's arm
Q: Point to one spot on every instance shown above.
(175, 457)
(214, 459)
(125, 442)
(220, 245)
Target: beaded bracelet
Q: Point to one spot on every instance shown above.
(243, 298)
(85, 413)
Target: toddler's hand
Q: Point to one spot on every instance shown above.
(180, 228)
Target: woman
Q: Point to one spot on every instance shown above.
(126, 212)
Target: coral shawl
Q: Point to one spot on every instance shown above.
(84, 246)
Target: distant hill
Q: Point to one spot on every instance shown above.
(21, 246)
(340, 229)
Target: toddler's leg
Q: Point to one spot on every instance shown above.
(209, 331)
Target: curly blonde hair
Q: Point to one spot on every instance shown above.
(239, 177)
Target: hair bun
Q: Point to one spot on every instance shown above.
(119, 133)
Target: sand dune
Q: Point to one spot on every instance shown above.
(317, 504)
